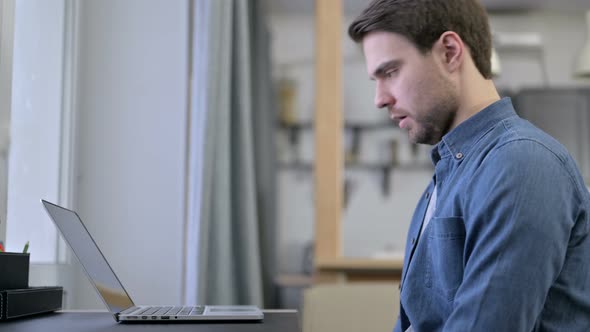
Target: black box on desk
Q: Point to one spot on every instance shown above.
(16, 303)
(14, 270)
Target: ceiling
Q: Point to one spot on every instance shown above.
(353, 7)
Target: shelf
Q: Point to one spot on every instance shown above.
(310, 61)
(349, 269)
(294, 280)
(308, 167)
(386, 124)
(371, 265)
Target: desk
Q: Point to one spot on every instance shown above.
(274, 320)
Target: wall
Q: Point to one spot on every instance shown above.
(132, 106)
(375, 224)
(37, 131)
(562, 35)
(35, 126)
(119, 79)
(6, 48)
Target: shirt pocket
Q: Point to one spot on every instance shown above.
(444, 268)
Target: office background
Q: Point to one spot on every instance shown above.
(95, 112)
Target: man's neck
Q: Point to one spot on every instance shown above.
(476, 94)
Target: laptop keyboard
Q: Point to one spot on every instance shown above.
(168, 311)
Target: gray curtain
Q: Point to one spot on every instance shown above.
(237, 215)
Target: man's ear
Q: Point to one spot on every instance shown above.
(451, 49)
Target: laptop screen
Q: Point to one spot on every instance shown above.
(96, 266)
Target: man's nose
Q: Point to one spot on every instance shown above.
(383, 98)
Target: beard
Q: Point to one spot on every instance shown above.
(436, 116)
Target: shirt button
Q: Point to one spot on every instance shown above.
(427, 195)
(413, 240)
(459, 155)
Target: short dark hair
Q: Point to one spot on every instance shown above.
(424, 21)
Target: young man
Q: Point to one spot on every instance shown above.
(500, 239)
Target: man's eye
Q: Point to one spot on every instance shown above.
(390, 73)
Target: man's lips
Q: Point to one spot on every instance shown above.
(403, 122)
(400, 119)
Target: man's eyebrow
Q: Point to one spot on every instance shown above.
(384, 67)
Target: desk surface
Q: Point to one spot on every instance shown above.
(102, 321)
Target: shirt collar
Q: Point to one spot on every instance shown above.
(459, 141)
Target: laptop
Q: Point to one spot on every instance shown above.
(113, 293)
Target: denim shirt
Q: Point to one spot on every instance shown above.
(507, 248)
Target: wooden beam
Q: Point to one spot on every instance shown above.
(328, 129)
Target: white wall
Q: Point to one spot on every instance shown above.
(37, 129)
(35, 126)
(373, 223)
(132, 104)
(562, 34)
(6, 48)
(114, 74)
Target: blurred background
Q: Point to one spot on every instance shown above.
(182, 131)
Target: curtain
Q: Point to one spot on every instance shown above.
(235, 207)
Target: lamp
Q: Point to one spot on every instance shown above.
(583, 62)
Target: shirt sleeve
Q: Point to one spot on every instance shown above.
(519, 209)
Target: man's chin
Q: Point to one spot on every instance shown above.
(421, 138)
(414, 137)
